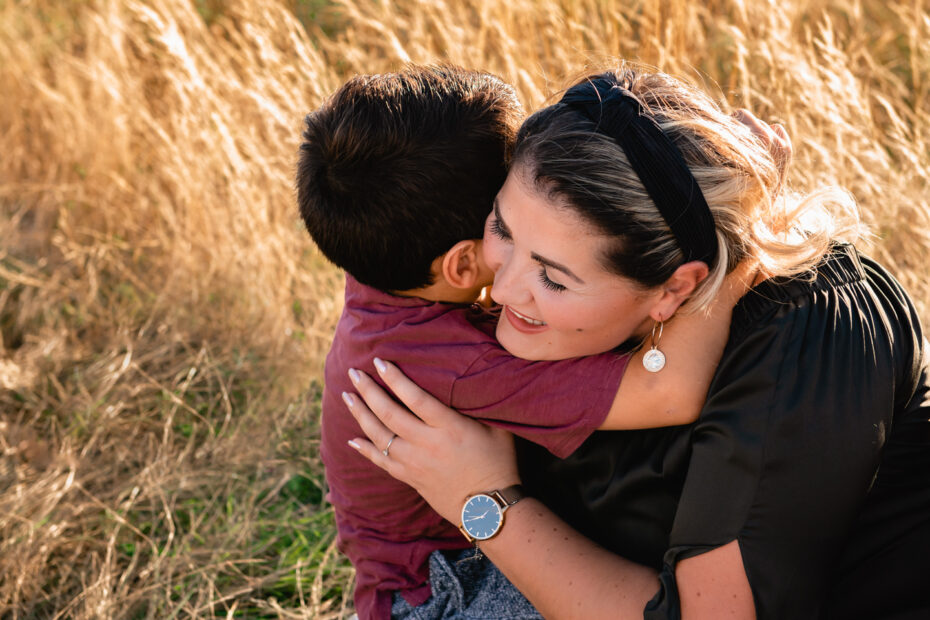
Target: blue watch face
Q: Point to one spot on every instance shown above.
(481, 517)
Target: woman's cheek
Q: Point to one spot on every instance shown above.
(550, 305)
(565, 312)
(497, 256)
(491, 248)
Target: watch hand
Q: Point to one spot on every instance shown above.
(481, 516)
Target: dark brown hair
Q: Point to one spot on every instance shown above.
(397, 168)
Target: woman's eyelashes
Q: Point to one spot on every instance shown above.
(499, 231)
(549, 284)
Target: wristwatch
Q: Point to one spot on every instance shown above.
(483, 513)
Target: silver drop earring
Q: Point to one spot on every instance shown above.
(653, 359)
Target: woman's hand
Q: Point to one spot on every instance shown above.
(442, 454)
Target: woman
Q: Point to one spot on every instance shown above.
(774, 497)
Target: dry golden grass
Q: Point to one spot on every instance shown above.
(163, 316)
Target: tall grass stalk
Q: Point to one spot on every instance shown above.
(164, 317)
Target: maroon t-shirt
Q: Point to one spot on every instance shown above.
(384, 526)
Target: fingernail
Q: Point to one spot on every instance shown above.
(354, 445)
(380, 365)
(348, 399)
(354, 376)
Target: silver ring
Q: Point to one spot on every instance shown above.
(387, 448)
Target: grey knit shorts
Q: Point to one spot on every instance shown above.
(466, 588)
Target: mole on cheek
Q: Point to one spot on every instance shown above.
(579, 330)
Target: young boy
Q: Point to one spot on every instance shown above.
(396, 176)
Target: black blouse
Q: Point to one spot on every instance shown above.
(812, 451)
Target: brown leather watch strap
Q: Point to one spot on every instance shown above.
(511, 495)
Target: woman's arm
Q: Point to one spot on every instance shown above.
(446, 457)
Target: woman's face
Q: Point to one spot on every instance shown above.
(558, 299)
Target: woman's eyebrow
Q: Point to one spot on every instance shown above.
(536, 257)
(557, 266)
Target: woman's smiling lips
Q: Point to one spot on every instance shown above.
(523, 323)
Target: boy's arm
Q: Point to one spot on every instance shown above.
(692, 344)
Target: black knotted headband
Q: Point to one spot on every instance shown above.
(655, 159)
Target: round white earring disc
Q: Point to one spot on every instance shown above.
(654, 360)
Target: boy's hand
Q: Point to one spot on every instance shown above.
(774, 137)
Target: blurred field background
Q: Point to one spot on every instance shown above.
(164, 316)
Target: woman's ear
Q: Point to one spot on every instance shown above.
(462, 266)
(678, 288)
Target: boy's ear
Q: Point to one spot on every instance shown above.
(678, 288)
(462, 265)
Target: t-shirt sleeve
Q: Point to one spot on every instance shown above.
(556, 404)
(783, 454)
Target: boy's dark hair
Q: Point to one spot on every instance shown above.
(395, 169)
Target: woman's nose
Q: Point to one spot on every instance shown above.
(509, 288)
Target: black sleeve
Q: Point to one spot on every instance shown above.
(786, 448)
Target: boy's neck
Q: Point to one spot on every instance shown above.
(443, 292)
